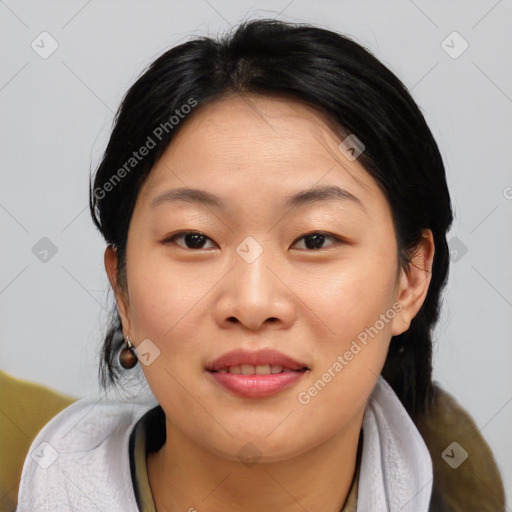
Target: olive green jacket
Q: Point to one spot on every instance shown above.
(461, 484)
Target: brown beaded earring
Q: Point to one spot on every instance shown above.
(127, 357)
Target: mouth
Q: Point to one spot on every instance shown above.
(256, 374)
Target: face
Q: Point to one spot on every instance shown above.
(317, 280)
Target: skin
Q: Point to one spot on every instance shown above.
(195, 304)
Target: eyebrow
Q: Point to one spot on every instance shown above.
(309, 196)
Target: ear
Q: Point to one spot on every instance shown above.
(413, 283)
(111, 262)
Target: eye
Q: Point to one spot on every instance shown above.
(193, 239)
(317, 238)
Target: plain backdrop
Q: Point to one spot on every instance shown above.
(57, 108)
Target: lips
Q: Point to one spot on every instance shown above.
(261, 362)
(258, 374)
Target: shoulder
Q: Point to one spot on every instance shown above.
(80, 459)
(466, 476)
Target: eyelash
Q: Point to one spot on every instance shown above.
(336, 239)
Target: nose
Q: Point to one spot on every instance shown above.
(256, 293)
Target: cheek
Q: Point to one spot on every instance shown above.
(353, 297)
(356, 306)
(162, 295)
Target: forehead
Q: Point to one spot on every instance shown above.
(253, 144)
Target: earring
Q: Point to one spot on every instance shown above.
(127, 357)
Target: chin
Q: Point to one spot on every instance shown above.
(258, 448)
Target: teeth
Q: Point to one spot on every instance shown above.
(263, 369)
(249, 369)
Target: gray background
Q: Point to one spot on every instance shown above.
(56, 115)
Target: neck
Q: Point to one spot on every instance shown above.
(185, 476)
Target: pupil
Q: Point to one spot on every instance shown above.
(317, 238)
(198, 240)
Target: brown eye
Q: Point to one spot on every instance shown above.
(192, 239)
(315, 240)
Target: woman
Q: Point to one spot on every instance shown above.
(276, 210)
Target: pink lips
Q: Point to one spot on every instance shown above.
(256, 386)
